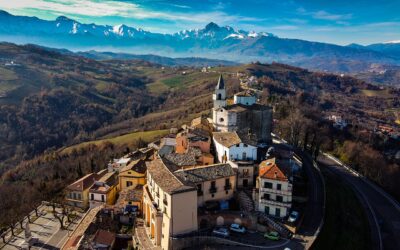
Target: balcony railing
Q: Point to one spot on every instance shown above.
(276, 191)
(213, 190)
(228, 187)
(276, 203)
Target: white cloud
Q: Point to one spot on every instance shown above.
(324, 15)
(93, 8)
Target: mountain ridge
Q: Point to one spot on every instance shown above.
(213, 42)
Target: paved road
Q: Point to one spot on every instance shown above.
(383, 212)
(46, 229)
(314, 212)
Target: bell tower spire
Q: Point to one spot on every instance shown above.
(219, 96)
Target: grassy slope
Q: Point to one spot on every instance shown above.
(346, 225)
(121, 140)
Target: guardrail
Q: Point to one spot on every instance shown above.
(394, 202)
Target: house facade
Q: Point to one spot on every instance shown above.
(77, 193)
(213, 183)
(104, 190)
(229, 147)
(169, 205)
(133, 174)
(275, 189)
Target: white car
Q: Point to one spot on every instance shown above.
(221, 231)
(294, 215)
(237, 228)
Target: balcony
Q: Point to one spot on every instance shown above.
(276, 191)
(275, 203)
(199, 192)
(213, 190)
(228, 187)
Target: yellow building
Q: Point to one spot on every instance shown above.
(104, 190)
(133, 174)
(169, 205)
(77, 193)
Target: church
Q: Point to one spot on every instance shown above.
(251, 121)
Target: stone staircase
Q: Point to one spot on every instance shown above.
(247, 205)
(245, 201)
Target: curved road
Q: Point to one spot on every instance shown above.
(382, 210)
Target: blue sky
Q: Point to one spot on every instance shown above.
(334, 21)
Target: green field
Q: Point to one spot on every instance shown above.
(377, 93)
(346, 225)
(147, 136)
(179, 81)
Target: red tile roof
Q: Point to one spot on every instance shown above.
(270, 170)
(104, 237)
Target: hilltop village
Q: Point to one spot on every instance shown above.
(215, 172)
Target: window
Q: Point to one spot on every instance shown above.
(278, 212)
(227, 182)
(79, 197)
(102, 197)
(219, 96)
(92, 196)
(213, 184)
(245, 145)
(279, 186)
(221, 119)
(266, 197)
(266, 209)
(279, 198)
(244, 156)
(267, 185)
(129, 183)
(199, 190)
(74, 196)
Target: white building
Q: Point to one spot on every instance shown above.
(244, 115)
(229, 147)
(245, 97)
(275, 190)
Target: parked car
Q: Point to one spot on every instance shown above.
(221, 231)
(212, 206)
(237, 228)
(294, 215)
(272, 235)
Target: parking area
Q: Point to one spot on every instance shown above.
(45, 228)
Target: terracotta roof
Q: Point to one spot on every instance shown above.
(164, 178)
(241, 107)
(187, 159)
(104, 183)
(138, 166)
(205, 173)
(129, 194)
(269, 169)
(227, 139)
(104, 237)
(83, 183)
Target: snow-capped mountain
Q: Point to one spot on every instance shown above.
(212, 41)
